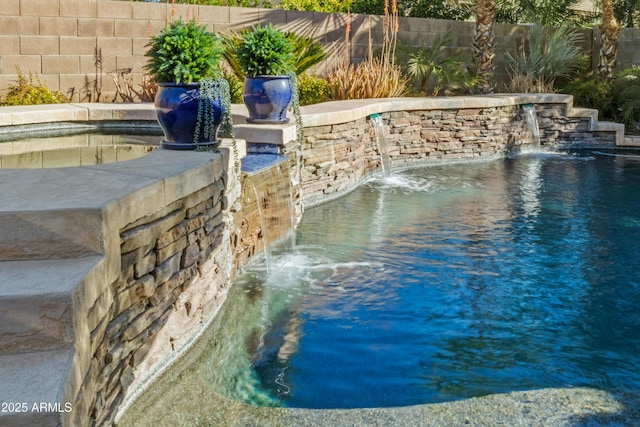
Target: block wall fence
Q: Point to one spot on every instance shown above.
(78, 46)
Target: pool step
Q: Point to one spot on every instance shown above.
(31, 387)
(50, 234)
(36, 302)
(632, 141)
(36, 326)
(618, 128)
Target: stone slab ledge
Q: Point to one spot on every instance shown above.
(37, 303)
(336, 112)
(31, 387)
(632, 141)
(33, 114)
(618, 128)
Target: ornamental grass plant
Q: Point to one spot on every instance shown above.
(376, 77)
(372, 78)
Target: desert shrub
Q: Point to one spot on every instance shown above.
(31, 91)
(626, 97)
(312, 89)
(543, 58)
(317, 5)
(265, 4)
(435, 66)
(590, 92)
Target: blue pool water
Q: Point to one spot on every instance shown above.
(445, 283)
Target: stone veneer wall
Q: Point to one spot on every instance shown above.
(174, 264)
(336, 157)
(263, 196)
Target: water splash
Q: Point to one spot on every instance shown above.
(531, 116)
(272, 190)
(383, 145)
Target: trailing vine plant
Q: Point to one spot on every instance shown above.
(295, 106)
(212, 90)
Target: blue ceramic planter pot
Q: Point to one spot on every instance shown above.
(267, 98)
(177, 112)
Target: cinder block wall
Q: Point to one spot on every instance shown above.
(77, 46)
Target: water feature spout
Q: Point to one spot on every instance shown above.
(272, 189)
(530, 115)
(383, 146)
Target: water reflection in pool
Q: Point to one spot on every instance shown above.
(81, 149)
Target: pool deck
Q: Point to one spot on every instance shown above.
(52, 238)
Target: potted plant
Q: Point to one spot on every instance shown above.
(266, 58)
(192, 99)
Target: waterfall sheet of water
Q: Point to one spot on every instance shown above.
(383, 146)
(531, 116)
(272, 189)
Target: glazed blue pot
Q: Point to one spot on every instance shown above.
(176, 107)
(267, 98)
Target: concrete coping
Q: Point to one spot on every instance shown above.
(335, 112)
(326, 113)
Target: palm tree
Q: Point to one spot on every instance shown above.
(483, 53)
(609, 31)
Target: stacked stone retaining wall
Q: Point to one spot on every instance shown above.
(338, 156)
(163, 255)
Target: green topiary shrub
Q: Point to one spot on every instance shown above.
(312, 89)
(306, 52)
(265, 51)
(31, 91)
(184, 52)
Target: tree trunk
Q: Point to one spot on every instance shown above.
(609, 31)
(483, 53)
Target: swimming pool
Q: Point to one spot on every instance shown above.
(445, 283)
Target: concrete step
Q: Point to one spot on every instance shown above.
(31, 387)
(41, 234)
(618, 128)
(36, 302)
(632, 141)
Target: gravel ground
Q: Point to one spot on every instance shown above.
(575, 407)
